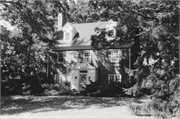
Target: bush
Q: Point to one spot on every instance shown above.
(106, 90)
(58, 89)
(165, 109)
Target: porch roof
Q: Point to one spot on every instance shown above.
(89, 47)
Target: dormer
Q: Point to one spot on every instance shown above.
(111, 29)
(68, 32)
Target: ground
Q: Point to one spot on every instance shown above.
(66, 107)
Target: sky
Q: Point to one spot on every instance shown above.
(6, 24)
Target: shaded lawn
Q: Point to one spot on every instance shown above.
(19, 104)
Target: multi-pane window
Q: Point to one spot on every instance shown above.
(67, 36)
(114, 77)
(60, 57)
(114, 55)
(87, 57)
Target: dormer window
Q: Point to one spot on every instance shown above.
(98, 31)
(111, 34)
(67, 36)
(111, 30)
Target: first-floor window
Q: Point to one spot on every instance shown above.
(59, 78)
(114, 77)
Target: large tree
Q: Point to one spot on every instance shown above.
(26, 50)
(153, 27)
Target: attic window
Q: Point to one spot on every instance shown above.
(67, 36)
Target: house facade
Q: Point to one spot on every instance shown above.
(82, 63)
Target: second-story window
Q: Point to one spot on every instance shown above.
(114, 55)
(87, 57)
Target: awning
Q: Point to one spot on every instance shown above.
(89, 47)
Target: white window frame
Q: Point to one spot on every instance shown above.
(114, 77)
(87, 57)
(70, 36)
(114, 55)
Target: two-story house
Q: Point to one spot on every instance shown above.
(83, 63)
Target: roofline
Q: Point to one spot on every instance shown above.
(89, 47)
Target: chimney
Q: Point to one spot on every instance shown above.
(61, 21)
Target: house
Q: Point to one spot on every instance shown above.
(82, 63)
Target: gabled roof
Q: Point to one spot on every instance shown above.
(85, 30)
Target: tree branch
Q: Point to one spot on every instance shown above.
(138, 13)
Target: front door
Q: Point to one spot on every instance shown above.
(82, 80)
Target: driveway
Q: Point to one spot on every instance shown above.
(66, 107)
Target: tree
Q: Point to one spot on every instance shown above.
(154, 26)
(26, 50)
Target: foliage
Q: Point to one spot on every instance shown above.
(26, 49)
(106, 90)
(153, 27)
(58, 89)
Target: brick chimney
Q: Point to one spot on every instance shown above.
(61, 21)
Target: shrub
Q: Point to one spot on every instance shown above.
(58, 89)
(98, 89)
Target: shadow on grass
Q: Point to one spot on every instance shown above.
(19, 104)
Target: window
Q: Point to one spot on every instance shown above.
(114, 77)
(59, 79)
(111, 34)
(87, 56)
(114, 55)
(67, 36)
(60, 57)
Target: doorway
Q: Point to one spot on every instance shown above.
(82, 80)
